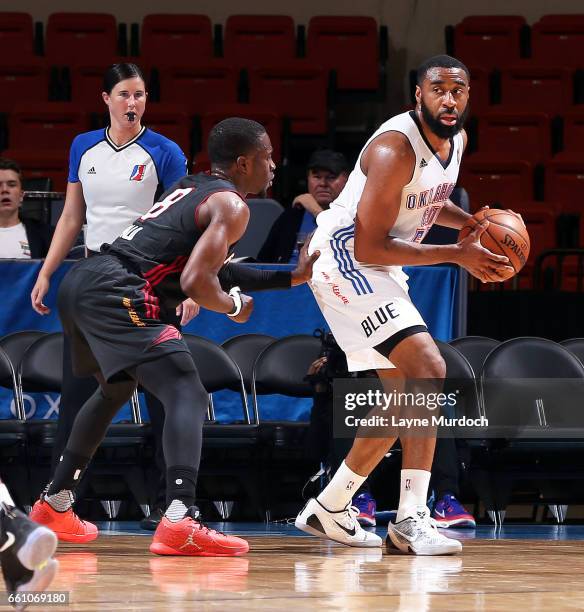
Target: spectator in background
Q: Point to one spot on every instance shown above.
(18, 239)
(327, 174)
(115, 175)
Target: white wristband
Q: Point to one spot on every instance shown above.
(235, 294)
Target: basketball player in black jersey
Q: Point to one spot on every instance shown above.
(114, 307)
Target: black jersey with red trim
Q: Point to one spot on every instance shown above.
(158, 244)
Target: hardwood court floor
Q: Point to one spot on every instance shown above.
(284, 572)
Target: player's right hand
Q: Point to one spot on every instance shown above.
(246, 309)
(483, 264)
(40, 289)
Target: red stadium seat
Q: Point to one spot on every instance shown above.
(176, 40)
(36, 163)
(199, 88)
(564, 182)
(87, 86)
(489, 41)
(488, 180)
(480, 96)
(336, 42)
(201, 163)
(172, 121)
(574, 132)
(22, 82)
(558, 40)
(16, 38)
(297, 91)
(514, 134)
(542, 90)
(268, 118)
(259, 40)
(81, 38)
(46, 126)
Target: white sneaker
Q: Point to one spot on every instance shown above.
(417, 535)
(340, 526)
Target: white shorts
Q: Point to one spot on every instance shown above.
(363, 305)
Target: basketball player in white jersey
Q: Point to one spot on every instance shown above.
(398, 189)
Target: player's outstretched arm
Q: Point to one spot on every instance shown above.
(225, 218)
(252, 279)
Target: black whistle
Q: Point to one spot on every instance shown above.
(131, 116)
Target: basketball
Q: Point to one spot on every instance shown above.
(506, 235)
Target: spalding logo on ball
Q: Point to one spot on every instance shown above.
(506, 235)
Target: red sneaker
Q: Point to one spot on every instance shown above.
(67, 525)
(191, 538)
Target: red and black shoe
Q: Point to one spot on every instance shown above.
(191, 538)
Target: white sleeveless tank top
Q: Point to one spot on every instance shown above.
(422, 198)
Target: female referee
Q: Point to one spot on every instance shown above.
(115, 175)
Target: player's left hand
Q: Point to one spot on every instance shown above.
(187, 311)
(303, 271)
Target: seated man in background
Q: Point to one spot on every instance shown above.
(327, 173)
(18, 239)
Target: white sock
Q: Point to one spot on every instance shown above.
(413, 491)
(61, 501)
(5, 496)
(340, 490)
(176, 511)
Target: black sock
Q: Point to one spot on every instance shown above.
(181, 482)
(68, 473)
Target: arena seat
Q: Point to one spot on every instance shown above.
(16, 33)
(564, 182)
(335, 41)
(267, 117)
(176, 40)
(263, 213)
(86, 85)
(244, 350)
(49, 126)
(526, 411)
(536, 89)
(172, 121)
(521, 135)
(38, 163)
(475, 349)
(23, 81)
(81, 37)
(573, 137)
(558, 40)
(259, 40)
(489, 41)
(297, 91)
(282, 366)
(199, 87)
(575, 346)
(481, 90)
(488, 180)
(217, 370)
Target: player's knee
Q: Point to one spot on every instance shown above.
(435, 367)
(119, 392)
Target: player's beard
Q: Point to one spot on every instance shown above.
(438, 128)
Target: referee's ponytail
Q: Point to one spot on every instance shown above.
(120, 72)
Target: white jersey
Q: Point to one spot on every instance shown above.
(366, 305)
(120, 183)
(422, 198)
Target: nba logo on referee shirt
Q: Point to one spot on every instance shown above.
(138, 172)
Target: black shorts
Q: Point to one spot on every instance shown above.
(113, 319)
